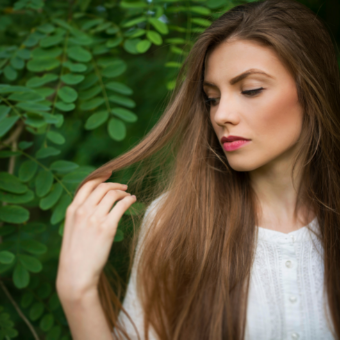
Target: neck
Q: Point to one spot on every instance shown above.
(277, 196)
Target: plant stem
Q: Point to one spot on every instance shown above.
(19, 310)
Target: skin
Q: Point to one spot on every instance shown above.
(271, 119)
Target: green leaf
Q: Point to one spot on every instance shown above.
(47, 152)
(55, 331)
(67, 94)
(115, 69)
(26, 299)
(36, 311)
(14, 88)
(45, 91)
(135, 4)
(160, 26)
(200, 10)
(134, 21)
(75, 67)
(34, 228)
(96, 120)
(17, 63)
(53, 301)
(119, 236)
(119, 87)
(43, 182)
(39, 65)
(173, 64)
(21, 276)
(44, 290)
(51, 40)
(51, 199)
(10, 73)
(76, 176)
(14, 214)
(78, 53)
(89, 80)
(175, 41)
(135, 33)
(11, 183)
(55, 137)
(32, 107)
(154, 37)
(143, 46)
(27, 170)
(31, 263)
(46, 28)
(34, 120)
(43, 53)
(72, 79)
(39, 81)
(28, 196)
(121, 100)
(91, 104)
(91, 23)
(63, 166)
(90, 93)
(201, 22)
(65, 107)
(124, 114)
(33, 247)
(6, 257)
(23, 145)
(59, 211)
(26, 97)
(46, 322)
(6, 124)
(24, 53)
(116, 129)
(130, 45)
(4, 111)
(114, 42)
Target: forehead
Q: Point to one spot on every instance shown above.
(230, 58)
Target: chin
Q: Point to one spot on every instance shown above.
(241, 164)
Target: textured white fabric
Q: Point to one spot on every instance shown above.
(286, 300)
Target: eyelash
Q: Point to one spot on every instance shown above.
(249, 93)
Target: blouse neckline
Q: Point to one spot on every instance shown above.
(302, 234)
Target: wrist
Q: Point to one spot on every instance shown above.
(75, 295)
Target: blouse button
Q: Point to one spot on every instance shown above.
(288, 264)
(294, 335)
(292, 298)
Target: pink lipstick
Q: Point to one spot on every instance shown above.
(232, 143)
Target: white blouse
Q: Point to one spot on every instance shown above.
(286, 300)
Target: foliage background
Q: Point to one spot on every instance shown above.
(80, 83)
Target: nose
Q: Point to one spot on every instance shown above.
(225, 111)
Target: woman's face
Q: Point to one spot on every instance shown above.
(271, 118)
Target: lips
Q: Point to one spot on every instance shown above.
(232, 139)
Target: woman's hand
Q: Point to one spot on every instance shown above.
(89, 231)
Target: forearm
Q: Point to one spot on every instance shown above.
(86, 318)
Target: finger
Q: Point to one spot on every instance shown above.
(119, 209)
(99, 192)
(111, 197)
(87, 188)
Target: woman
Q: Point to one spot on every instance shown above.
(242, 238)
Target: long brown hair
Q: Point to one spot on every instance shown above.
(193, 273)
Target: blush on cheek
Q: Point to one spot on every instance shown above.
(281, 118)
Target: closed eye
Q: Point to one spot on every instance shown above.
(249, 93)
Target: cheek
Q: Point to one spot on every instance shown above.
(279, 121)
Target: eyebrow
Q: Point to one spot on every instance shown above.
(241, 77)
